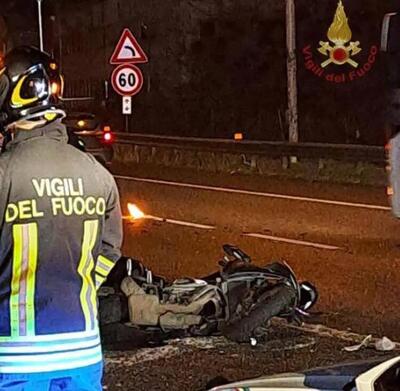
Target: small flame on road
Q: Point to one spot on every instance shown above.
(135, 212)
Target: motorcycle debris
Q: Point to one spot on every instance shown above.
(253, 342)
(384, 345)
(356, 348)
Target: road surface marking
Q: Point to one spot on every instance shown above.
(255, 193)
(293, 241)
(253, 235)
(139, 356)
(172, 221)
(325, 331)
(176, 347)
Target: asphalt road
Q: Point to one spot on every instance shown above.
(191, 364)
(342, 238)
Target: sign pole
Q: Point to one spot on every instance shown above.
(292, 112)
(127, 79)
(127, 110)
(39, 4)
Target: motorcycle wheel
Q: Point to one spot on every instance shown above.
(279, 300)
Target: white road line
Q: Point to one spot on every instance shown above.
(175, 222)
(255, 193)
(293, 241)
(252, 235)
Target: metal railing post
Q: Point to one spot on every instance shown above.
(292, 73)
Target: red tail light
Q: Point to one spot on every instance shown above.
(107, 135)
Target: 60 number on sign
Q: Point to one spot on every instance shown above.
(127, 80)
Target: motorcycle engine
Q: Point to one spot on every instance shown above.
(178, 306)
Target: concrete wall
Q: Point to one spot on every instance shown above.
(307, 169)
(218, 66)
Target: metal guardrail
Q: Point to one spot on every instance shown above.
(274, 149)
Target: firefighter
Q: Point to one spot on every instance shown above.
(60, 235)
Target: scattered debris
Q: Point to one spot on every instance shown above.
(176, 347)
(355, 348)
(190, 368)
(324, 331)
(311, 342)
(253, 342)
(142, 355)
(201, 342)
(385, 345)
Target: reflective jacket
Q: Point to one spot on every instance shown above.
(60, 235)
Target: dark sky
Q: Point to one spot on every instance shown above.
(21, 19)
(25, 9)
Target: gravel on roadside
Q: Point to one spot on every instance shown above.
(190, 364)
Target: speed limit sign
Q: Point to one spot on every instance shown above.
(127, 80)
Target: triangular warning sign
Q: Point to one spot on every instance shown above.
(128, 50)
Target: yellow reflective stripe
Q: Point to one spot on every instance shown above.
(107, 263)
(101, 270)
(99, 280)
(85, 268)
(16, 276)
(50, 116)
(31, 278)
(22, 299)
(93, 294)
(16, 99)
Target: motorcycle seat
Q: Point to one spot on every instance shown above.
(243, 268)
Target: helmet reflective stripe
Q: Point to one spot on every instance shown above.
(16, 99)
(50, 116)
(85, 268)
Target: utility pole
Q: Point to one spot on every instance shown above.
(39, 3)
(292, 113)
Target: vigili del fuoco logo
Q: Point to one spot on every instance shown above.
(339, 51)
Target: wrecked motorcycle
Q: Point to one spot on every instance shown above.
(237, 302)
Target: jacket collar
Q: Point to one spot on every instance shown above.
(54, 130)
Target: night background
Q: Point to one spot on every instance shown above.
(216, 67)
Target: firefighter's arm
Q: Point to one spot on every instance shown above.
(111, 240)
